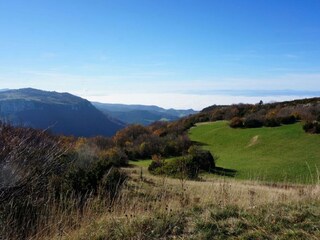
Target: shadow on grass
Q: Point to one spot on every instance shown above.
(199, 143)
(224, 172)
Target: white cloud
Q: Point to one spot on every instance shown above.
(184, 101)
(161, 88)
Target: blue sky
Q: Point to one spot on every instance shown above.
(172, 53)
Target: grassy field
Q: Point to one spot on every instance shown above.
(145, 162)
(283, 153)
(141, 163)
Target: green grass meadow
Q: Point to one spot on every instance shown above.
(281, 154)
(141, 163)
(145, 162)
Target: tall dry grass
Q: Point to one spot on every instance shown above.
(152, 207)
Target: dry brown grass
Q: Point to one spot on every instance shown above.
(169, 199)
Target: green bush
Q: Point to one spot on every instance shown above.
(87, 180)
(179, 167)
(187, 166)
(155, 164)
(183, 167)
(203, 158)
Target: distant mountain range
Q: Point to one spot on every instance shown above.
(61, 113)
(4, 89)
(141, 114)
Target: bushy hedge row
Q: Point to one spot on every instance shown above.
(257, 122)
(139, 142)
(269, 115)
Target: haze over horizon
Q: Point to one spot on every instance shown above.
(180, 54)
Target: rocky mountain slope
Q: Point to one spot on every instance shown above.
(61, 113)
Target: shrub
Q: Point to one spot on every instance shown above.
(236, 122)
(187, 166)
(202, 117)
(112, 182)
(37, 170)
(203, 158)
(252, 123)
(312, 127)
(182, 167)
(86, 180)
(173, 145)
(288, 119)
(156, 163)
(179, 167)
(116, 156)
(129, 134)
(272, 122)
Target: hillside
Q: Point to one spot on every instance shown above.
(301, 109)
(283, 153)
(88, 187)
(62, 113)
(141, 114)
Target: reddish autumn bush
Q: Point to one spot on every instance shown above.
(236, 122)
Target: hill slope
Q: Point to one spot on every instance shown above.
(284, 153)
(63, 113)
(141, 114)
